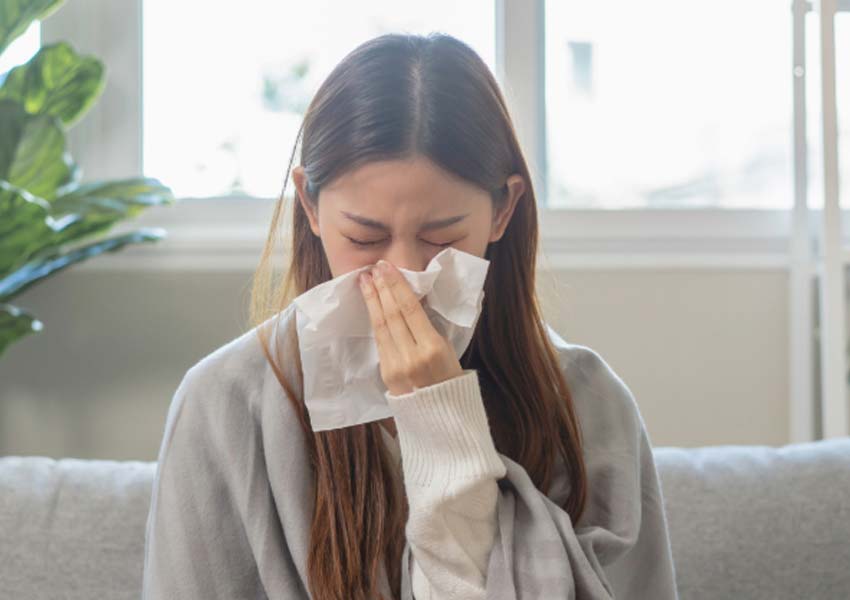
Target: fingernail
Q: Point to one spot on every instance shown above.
(376, 272)
(364, 279)
(383, 265)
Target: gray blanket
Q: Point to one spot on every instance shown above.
(232, 500)
(538, 554)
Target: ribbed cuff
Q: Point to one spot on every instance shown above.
(443, 432)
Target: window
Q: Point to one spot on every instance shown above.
(225, 85)
(670, 104)
(708, 126)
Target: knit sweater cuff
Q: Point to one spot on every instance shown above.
(443, 433)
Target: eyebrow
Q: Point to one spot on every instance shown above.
(384, 227)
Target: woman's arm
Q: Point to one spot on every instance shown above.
(196, 546)
(451, 469)
(619, 548)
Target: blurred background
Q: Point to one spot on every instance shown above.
(678, 154)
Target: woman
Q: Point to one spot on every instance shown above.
(521, 470)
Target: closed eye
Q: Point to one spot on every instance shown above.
(375, 242)
(359, 243)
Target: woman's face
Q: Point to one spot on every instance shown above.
(405, 212)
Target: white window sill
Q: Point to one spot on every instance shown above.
(228, 234)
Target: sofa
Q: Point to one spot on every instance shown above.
(746, 522)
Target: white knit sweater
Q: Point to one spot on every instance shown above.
(450, 469)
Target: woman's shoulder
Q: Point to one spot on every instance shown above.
(605, 406)
(242, 358)
(234, 382)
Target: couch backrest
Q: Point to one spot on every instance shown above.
(752, 522)
(72, 528)
(759, 522)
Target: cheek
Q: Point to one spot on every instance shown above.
(475, 243)
(342, 258)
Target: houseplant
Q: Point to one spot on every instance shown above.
(49, 220)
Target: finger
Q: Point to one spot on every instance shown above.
(387, 287)
(409, 306)
(386, 346)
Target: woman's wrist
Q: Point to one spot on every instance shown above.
(443, 432)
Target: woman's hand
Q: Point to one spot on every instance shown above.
(412, 353)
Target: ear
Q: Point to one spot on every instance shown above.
(516, 188)
(300, 180)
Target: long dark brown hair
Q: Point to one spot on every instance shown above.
(398, 96)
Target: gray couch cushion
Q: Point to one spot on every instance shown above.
(759, 522)
(746, 522)
(72, 528)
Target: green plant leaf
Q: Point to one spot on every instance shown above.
(101, 204)
(56, 81)
(38, 269)
(17, 15)
(117, 199)
(25, 225)
(31, 228)
(32, 152)
(15, 323)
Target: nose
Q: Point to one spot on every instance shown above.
(407, 257)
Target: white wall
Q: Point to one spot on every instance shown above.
(704, 352)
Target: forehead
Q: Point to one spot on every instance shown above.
(398, 181)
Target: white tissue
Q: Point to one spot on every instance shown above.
(339, 355)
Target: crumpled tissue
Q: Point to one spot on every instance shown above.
(339, 354)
